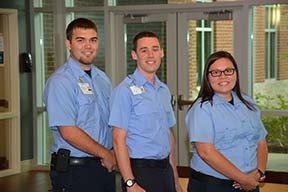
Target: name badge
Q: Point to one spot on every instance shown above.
(85, 88)
(137, 90)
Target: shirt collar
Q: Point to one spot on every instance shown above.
(78, 71)
(217, 99)
(140, 80)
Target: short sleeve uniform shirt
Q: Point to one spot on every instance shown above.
(72, 98)
(234, 130)
(145, 112)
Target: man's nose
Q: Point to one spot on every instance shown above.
(88, 44)
(150, 53)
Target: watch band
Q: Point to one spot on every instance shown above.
(262, 175)
(130, 182)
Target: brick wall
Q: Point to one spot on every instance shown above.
(223, 36)
(259, 44)
(282, 72)
(192, 58)
(223, 40)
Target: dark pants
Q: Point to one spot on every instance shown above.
(89, 177)
(202, 183)
(153, 178)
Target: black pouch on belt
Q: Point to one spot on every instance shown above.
(62, 160)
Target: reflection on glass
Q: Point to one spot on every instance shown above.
(270, 58)
(159, 28)
(4, 135)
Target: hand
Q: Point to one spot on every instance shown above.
(135, 188)
(250, 182)
(109, 161)
(178, 186)
(261, 175)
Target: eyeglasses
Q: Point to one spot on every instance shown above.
(218, 73)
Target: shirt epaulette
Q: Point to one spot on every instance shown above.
(130, 80)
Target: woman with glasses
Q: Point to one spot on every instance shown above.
(226, 132)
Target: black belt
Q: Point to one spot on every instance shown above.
(83, 160)
(77, 161)
(150, 163)
(209, 179)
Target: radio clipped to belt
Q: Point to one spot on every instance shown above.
(60, 160)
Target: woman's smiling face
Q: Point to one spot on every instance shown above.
(223, 84)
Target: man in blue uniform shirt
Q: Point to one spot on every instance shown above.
(77, 98)
(141, 118)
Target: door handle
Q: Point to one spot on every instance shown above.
(182, 102)
(173, 101)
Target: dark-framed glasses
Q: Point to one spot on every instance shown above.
(226, 72)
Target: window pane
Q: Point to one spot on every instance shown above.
(159, 28)
(46, 65)
(45, 44)
(270, 58)
(219, 36)
(43, 4)
(84, 3)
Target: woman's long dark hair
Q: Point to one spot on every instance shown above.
(206, 92)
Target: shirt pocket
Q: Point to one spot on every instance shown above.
(87, 107)
(143, 105)
(225, 135)
(255, 128)
(105, 97)
(85, 99)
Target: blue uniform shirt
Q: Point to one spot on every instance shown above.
(68, 105)
(145, 112)
(234, 130)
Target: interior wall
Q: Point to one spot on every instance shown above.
(25, 78)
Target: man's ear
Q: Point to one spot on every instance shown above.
(134, 55)
(68, 44)
(162, 53)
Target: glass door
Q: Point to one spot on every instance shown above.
(187, 39)
(49, 29)
(202, 33)
(126, 27)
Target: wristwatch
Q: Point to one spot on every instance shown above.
(130, 182)
(262, 175)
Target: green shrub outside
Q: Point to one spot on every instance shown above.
(277, 126)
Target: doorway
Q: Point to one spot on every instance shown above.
(199, 32)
